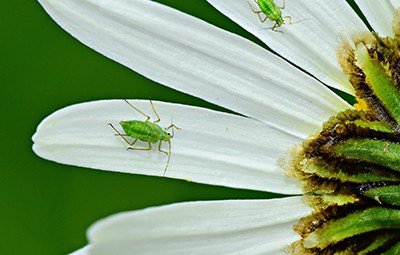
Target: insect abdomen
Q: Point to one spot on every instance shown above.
(141, 130)
(270, 9)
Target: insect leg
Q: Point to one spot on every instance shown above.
(255, 11)
(275, 26)
(122, 135)
(140, 149)
(161, 150)
(154, 110)
(260, 18)
(147, 116)
(258, 12)
(168, 153)
(283, 6)
(131, 144)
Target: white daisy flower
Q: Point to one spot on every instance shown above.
(278, 104)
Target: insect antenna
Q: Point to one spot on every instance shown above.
(172, 126)
(169, 156)
(172, 123)
(155, 112)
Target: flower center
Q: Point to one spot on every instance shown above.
(351, 169)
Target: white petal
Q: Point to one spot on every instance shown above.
(212, 147)
(216, 227)
(82, 251)
(379, 14)
(310, 43)
(194, 57)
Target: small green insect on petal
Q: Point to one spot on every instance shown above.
(270, 10)
(146, 131)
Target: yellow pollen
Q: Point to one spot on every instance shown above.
(361, 105)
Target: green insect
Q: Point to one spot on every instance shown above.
(146, 131)
(272, 12)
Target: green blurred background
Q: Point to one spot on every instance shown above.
(46, 207)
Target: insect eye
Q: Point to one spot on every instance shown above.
(168, 133)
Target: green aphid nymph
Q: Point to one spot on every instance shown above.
(268, 9)
(146, 131)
